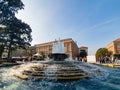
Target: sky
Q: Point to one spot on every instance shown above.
(91, 23)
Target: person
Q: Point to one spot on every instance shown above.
(76, 58)
(84, 59)
(113, 60)
(80, 59)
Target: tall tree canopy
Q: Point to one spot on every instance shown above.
(17, 33)
(8, 8)
(102, 52)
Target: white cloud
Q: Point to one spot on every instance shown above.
(102, 24)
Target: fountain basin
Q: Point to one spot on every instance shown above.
(109, 79)
(54, 70)
(58, 68)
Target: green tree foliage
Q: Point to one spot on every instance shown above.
(2, 35)
(116, 56)
(17, 33)
(42, 55)
(102, 52)
(8, 8)
(31, 50)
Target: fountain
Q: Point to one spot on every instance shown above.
(26, 76)
(57, 68)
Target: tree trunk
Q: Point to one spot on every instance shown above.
(1, 50)
(9, 52)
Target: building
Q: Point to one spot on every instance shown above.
(83, 48)
(71, 47)
(114, 46)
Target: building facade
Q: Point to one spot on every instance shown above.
(114, 46)
(71, 48)
(83, 48)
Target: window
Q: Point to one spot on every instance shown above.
(118, 46)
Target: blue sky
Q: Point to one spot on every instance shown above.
(92, 23)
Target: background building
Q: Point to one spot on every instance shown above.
(82, 53)
(83, 48)
(114, 46)
(71, 47)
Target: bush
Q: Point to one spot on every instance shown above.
(116, 56)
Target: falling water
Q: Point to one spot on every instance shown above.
(58, 47)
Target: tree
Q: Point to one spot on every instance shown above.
(8, 8)
(17, 33)
(31, 50)
(102, 52)
(2, 40)
(42, 55)
(116, 56)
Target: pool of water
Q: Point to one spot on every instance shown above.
(109, 80)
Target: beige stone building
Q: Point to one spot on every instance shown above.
(114, 46)
(71, 47)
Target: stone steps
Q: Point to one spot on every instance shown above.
(60, 70)
(74, 77)
(62, 78)
(56, 74)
